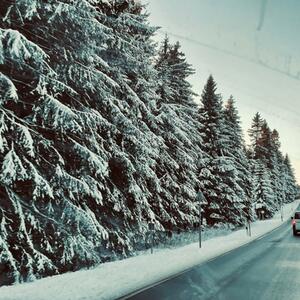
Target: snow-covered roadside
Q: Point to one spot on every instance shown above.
(115, 279)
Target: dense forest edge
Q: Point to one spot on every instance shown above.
(101, 133)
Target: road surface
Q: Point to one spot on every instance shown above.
(267, 268)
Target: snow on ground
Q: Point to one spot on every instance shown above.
(115, 279)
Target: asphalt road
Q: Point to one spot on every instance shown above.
(268, 269)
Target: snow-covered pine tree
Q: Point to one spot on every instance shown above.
(255, 135)
(236, 149)
(77, 170)
(163, 65)
(169, 163)
(263, 191)
(268, 153)
(90, 149)
(84, 163)
(173, 70)
(266, 165)
(23, 187)
(290, 184)
(265, 149)
(177, 113)
(276, 169)
(217, 168)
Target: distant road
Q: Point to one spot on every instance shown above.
(268, 269)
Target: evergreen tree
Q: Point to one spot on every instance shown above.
(235, 148)
(87, 159)
(163, 66)
(177, 114)
(265, 147)
(267, 163)
(173, 71)
(255, 135)
(210, 115)
(78, 176)
(276, 166)
(263, 192)
(97, 138)
(290, 184)
(217, 167)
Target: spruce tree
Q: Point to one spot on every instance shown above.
(267, 165)
(173, 71)
(236, 149)
(78, 179)
(87, 159)
(177, 114)
(290, 184)
(255, 135)
(217, 168)
(276, 168)
(263, 192)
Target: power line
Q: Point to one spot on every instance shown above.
(257, 62)
(231, 53)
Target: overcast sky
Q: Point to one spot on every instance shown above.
(251, 47)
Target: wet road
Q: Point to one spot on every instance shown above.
(268, 268)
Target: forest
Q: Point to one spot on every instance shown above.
(102, 133)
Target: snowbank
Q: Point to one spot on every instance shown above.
(115, 279)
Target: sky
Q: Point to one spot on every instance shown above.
(251, 47)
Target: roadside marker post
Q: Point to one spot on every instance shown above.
(151, 229)
(200, 226)
(249, 226)
(200, 198)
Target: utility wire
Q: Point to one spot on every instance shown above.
(230, 53)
